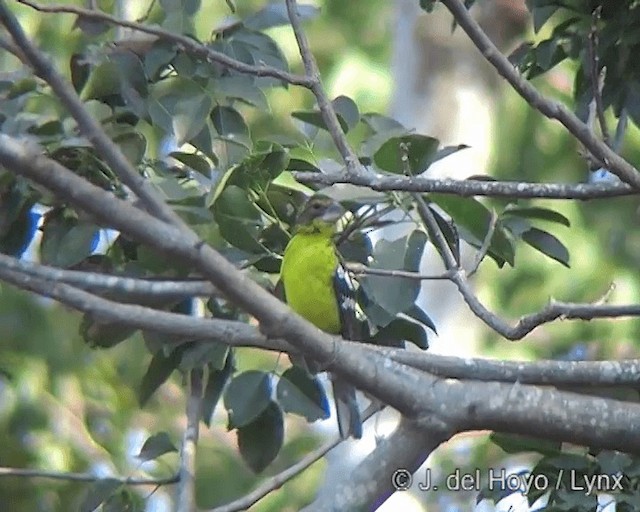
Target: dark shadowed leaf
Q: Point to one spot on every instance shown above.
(247, 396)
(159, 370)
(261, 440)
(194, 161)
(393, 294)
(512, 443)
(66, 242)
(98, 492)
(238, 219)
(275, 15)
(450, 233)
(400, 330)
(547, 244)
(472, 220)
(537, 213)
(301, 393)
(421, 316)
(155, 446)
(216, 383)
(412, 153)
(415, 249)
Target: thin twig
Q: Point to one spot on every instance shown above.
(187, 486)
(83, 477)
(326, 108)
(467, 188)
(552, 109)
(594, 69)
(360, 269)
(486, 243)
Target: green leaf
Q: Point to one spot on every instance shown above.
(541, 15)
(537, 213)
(200, 352)
(378, 123)
(473, 219)
(400, 330)
(547, 244)
(179, 106)
(194, 161)
(302, 393)
(346, 110)
(275, 15)
(247, 396)
(417, 313)
(228, 122)
(155, 446)
(413, 153)
(242, 88)
(261, 440)
(66, 242)
(216, 382)
(512, 443)
(450, 233)
(98, 492)
(393, 294)
(160, 369)
(133, 146)
(104, 334)
(238, 218)
(415, 249)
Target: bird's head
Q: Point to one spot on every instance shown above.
(320, 214)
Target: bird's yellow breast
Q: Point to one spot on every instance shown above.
(307, 273)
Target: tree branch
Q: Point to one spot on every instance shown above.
(326, 108)
(133, 315)
(552, 109)
(121, 288)
(557, 373)
(470, 187)
(186, 501)
(185, 43)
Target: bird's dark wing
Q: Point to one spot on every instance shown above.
(344, 394)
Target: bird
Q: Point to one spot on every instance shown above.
(316, 287)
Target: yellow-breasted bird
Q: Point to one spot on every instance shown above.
(315, 288)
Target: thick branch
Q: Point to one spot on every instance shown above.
(185, 327)
(557, 373)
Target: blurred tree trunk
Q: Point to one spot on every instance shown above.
(443, 87)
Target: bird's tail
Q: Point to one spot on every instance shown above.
(347, 411)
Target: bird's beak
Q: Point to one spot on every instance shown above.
(333, 213)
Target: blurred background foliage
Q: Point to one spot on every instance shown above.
(65, 406)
